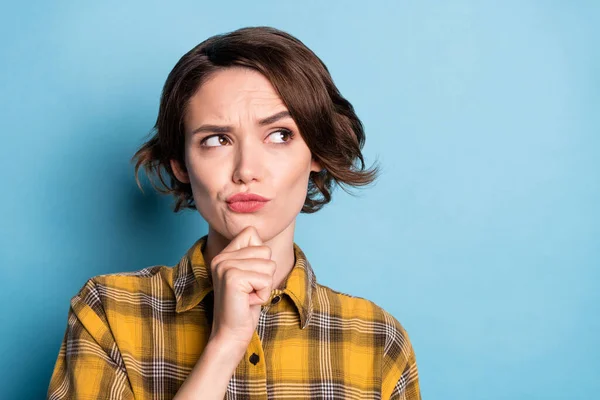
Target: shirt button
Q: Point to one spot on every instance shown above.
(254, 358)
(276, 299)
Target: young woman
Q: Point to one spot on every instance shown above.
(251, 131)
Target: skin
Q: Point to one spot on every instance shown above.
(249, 158)
(248, 253)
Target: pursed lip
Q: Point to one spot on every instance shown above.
(245, 197)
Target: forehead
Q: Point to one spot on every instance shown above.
(234, 93)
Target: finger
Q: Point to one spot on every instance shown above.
(250, 264)
(267, 267)
(247, 237)
(245, 252)
(247, 282)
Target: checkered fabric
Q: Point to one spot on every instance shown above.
(137, 335)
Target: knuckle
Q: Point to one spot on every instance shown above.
(219, 270)
(216, 261)
(265, 251)
(230, 275)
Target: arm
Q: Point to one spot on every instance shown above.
(400, 373)
(212, 372)
(89, 364)
(407, 386)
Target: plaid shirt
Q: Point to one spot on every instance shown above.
(139, 334)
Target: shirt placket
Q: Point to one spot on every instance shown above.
(250, 377)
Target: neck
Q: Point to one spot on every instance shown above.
(282, 251)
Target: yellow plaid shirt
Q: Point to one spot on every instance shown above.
(137, 335)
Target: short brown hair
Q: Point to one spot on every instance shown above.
(326, 120)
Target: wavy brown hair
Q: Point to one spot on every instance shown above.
(326, 120)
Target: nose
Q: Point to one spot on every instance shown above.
(249, 162)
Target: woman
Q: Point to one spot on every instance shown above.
(251, 132)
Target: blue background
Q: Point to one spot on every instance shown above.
(482, 235)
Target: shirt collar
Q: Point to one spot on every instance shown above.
(192, 281)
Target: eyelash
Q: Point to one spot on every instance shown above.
(286, 131)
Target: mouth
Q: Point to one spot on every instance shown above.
(246, 206)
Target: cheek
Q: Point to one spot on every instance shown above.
(295, 182)
(204, 181)
(205, 189)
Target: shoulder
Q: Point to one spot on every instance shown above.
(102, 292)
(360, 310)
(371, 325)
(138, 277)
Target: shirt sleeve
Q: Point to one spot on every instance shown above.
(407, 386)
(400, 373)
(89, 364)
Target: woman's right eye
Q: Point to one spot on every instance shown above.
(215, 141)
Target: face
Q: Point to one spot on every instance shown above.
(231, 146)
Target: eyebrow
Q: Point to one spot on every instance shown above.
(226, 128)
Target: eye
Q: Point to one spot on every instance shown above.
(283, 132)
(215, 141)
(219, 140)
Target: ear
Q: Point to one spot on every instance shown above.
(179, 171)
(315, 165)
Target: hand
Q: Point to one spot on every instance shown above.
(242, 276)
